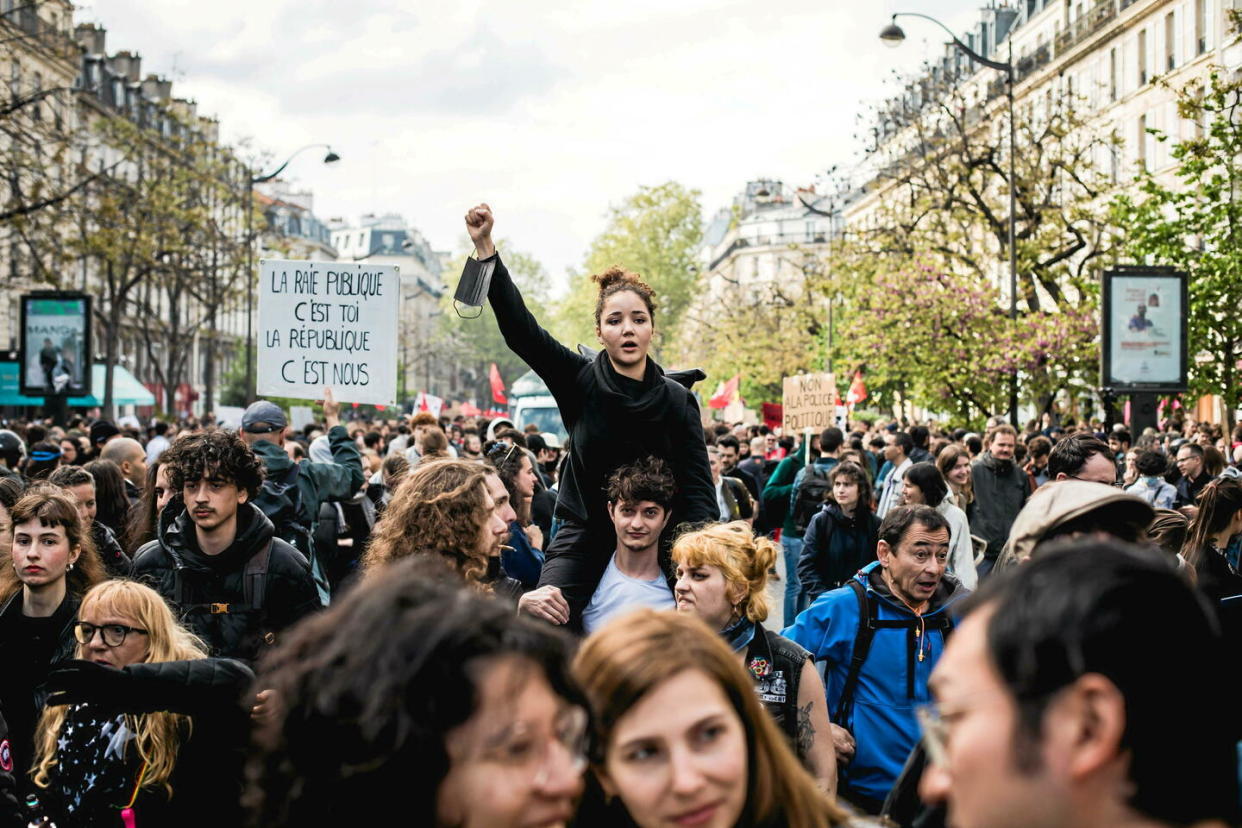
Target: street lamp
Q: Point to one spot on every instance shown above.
(893, 36)
(252, 179)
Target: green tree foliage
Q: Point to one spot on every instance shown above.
(477, 342)
(919, 286)
(654, 233)
(1195, 225)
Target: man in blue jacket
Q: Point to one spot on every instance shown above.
(879, 638)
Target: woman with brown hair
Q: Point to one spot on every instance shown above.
(52, 564)
(1218, 518)
(954, 464)
(680, 735)
(454, 510)
(619, 406)
(722, 577)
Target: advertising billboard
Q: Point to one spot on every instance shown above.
(56, 344)
(1144, 330)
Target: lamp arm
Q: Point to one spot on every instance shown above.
(261, 178)
(966, 50)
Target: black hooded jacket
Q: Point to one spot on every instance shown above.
(612, 420)
(208, 580)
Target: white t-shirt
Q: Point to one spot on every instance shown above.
(618, 592)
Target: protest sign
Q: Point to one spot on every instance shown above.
(328, 324)
(808, 402)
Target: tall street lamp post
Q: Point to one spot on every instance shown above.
(330, 158)
(892, 35)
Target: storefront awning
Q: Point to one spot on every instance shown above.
(126, 389)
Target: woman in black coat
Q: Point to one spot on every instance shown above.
(50, 566)
(143, 728)
(618, 407)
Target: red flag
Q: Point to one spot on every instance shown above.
(726, 393)
(858, 390)
(773, 415)
(498, 386)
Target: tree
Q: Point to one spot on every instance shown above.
(134, 228)
(1196, 226)
(477, 342)
(654, 233)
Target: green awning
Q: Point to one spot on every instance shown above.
(126, 389)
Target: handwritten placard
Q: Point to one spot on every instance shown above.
(328, 324)
(808, 402)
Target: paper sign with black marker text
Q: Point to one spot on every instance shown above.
(328, 324)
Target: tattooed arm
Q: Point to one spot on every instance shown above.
(814, 732)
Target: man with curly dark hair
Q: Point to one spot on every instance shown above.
(640, 500)
(216, 558)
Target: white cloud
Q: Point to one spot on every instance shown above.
(548, 110)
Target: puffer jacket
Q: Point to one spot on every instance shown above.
(892, 681)
(1062, 501)
(210, 583)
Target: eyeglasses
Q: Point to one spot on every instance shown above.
(526, 754)
(113, 634)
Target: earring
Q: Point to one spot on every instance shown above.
(71, 567)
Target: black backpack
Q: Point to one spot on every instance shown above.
(280, 498)
(812, 493)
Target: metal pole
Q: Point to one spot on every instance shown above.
(249, 285)
(1013, 252)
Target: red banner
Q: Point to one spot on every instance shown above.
(498, 386)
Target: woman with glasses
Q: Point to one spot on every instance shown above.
(680, 735)
(722, 577)
(143, 728)
(52, 564)
(476, 723)
(619, 406)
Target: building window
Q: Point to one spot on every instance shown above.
(1170, 43)
(1142, 57)
(1142, 141)
(1112, 74)
(1200, 26)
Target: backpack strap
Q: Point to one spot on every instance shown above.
(254, 579)
(868, 623)
(862, 646)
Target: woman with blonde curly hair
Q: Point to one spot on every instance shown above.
(670, 702)
(455, 510)
(143, 728)
(722, 577)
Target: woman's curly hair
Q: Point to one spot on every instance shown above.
(363, 717)
(215, 455)
(441, 510)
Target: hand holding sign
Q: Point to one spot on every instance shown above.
(479, 224)
(331, 408)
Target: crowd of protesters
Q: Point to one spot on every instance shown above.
(466, 622)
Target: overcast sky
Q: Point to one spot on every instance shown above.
(549, 111)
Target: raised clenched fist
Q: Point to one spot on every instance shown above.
(479, 223)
